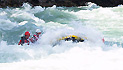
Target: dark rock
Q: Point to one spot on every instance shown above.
(107, 3)
(67, 3)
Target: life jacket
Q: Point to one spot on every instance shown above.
(34, 38)
(24, 40)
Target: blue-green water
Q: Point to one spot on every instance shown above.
(93, 22)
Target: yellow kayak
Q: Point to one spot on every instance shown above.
(73, 38)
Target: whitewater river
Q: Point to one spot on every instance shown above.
(93, 22)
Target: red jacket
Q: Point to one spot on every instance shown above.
(23, 40)
(34, 38)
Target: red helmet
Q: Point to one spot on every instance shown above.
(27, 33)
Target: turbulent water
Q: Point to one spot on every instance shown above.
(93, 22)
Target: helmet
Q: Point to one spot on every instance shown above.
(38, 30)
(27, 33)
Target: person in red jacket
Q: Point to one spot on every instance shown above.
(36, 36)
(24, 39)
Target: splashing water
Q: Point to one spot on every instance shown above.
(91, 21)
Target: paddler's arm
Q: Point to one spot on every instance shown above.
(19, 42)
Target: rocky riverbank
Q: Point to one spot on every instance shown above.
(66, 3)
